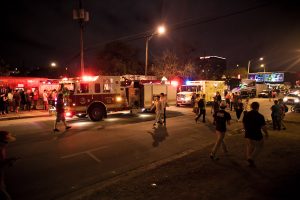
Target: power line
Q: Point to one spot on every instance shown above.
(177, 26)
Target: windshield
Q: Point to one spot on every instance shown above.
(292, 95)
(190, 88)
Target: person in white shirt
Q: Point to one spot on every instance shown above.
(158, 110)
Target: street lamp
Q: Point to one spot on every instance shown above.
(82, 16)
(160, 30)
(53, 64)
(249, 63)
(263, 65)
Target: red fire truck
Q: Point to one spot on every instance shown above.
(96, 95)
(93, 96)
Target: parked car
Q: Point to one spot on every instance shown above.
(245, 94)
(291, 99)
(264, 94)
(296, 107)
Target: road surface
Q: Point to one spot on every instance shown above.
(55, 164)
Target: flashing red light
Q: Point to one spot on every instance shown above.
(89, 78)
(174, 83)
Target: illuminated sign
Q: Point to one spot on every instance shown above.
(270, 77)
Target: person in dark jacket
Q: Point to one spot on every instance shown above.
(222, 118)
(60, 113)
(202, 109)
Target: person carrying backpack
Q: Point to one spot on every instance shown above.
(202, 109)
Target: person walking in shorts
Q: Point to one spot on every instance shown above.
(221, 119)
(254, 123)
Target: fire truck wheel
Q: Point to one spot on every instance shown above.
(95, 113)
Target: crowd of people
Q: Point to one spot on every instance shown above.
(254, 123)
(13, 101)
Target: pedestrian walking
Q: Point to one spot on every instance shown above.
(222, 118)
(276, 115)
(5, 138)
(227, 99)
(284, 109)
(239, 109)
(158, 110)
(60, 113)
(232, 99)
(196, 108)
(164, 105)
(254, 123)
(215, 107)
(247, 106)
(218, 97)
(202, 109)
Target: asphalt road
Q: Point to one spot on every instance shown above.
(55, 164)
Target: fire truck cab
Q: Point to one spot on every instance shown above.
(93, 96)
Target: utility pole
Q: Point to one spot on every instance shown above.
(82, 16)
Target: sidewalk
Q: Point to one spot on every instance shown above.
(196, 176)
(24, 114)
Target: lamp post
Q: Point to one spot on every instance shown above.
(160, 30)
(263, 65)
(249, 63)
(82, 16)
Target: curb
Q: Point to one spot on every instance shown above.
(22, 117)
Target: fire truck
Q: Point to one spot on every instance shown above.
(93, 96)
(141, 93)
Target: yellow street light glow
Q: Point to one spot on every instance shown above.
(53, 64)
(161, 30)
(262, 65)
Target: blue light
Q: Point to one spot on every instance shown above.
(188, 82)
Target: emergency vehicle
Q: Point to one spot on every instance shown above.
(142, 94)
(93, 96)
(209, 88)
(24, 83)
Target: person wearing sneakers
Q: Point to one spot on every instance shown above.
(221, 119)
(254, 122)
(60, 113)
(5, 138)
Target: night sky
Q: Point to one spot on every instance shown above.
(35, 33)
